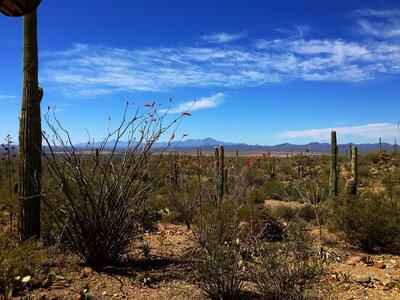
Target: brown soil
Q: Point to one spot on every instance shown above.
(170, 276)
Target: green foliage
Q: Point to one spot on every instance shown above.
(285, 212)
(368, 221)
(217, 261)
(285, 270)
(218, 272)
(17, 264)
(306, 212)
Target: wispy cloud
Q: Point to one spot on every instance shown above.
(6, 97)
(370, 131)
(379, 23)
(91, 70)
(295, 31)
(223, 37)
(202, 103)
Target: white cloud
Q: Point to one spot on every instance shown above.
(370, 131)
(378, 23)
(295, 31)
(90, 70)
(6, 97)
(223, 37)
(203, 103)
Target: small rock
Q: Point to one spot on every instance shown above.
(363, 279)
(379, 265)
(390, 285)
(352, 261)
(397, 265)
(87, 270)
(332, 278)
(78, 297)
(37, 281)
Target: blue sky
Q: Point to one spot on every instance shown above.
(263, 72)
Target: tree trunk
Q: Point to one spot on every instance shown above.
(30, 135)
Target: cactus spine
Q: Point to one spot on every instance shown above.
(333, 177)
(30, 135)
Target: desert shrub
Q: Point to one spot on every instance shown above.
(267, 227)
(18, 263)
(217, 272)
(285, 212)
(370, 158)
(99, 196)
(368, 221)
(184, 201)
(306, 212)
(285, 167)
(217, 262)
(274, 189)
(285, 270)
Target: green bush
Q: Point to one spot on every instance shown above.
(306, 212)
(285, 212)
(216, 263)
(368, 221)
(285, 270)
(17, 265)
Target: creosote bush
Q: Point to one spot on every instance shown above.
(98, 195)
(368, 221)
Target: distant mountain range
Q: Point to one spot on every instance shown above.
(208, 144)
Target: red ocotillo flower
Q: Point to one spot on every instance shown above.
(172, 137)
(264, 154)
(185, 134)
(186, 113)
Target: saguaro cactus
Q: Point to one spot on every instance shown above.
(30, 135)
(220, 172)
(352, 184)
(333, 177)
(395, 148)
(354, 167)
(271, 170)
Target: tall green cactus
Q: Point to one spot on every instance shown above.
(333, 176)
(380, 146)
(220, 172)
(395, 148)
(354, 167)
(30, 135)
(271, 170)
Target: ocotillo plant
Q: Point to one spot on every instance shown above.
(333, 176)
(30, 135)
